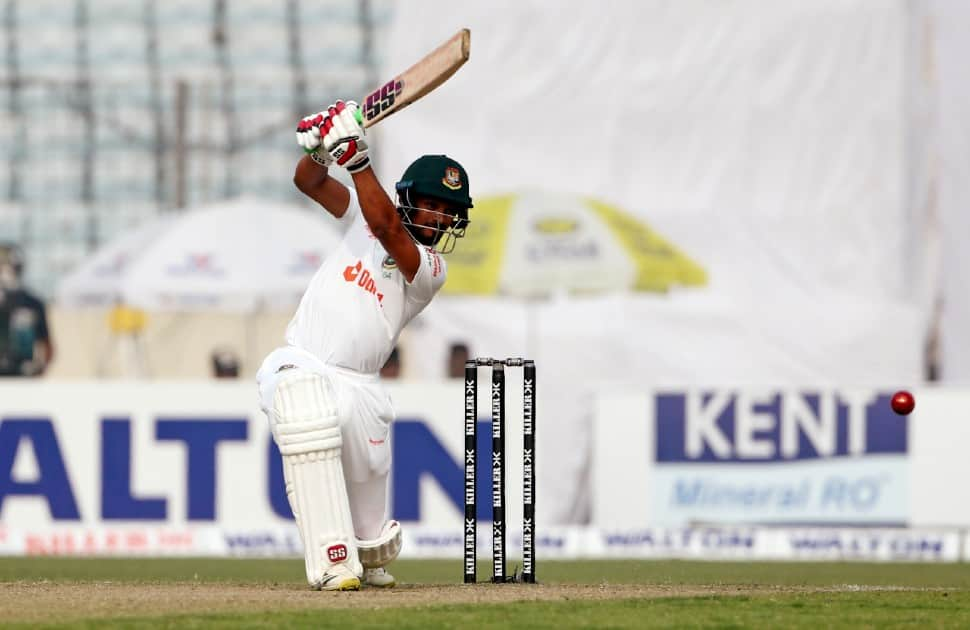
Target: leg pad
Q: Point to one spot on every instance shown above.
(307, 432)
(382, 550)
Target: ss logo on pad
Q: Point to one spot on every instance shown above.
(337, 553)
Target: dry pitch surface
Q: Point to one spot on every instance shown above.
(230, 593)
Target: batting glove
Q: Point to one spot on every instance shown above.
(342, 135)
(308, 137)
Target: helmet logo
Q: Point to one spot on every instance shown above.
(452, 178)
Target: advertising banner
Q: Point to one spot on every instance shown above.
(137, 468)
(779, 457)
(751, 456)
(809, 457)
(783, 543)
(148, 469)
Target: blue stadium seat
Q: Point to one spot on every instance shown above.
(53, 153)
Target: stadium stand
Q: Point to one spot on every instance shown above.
(113, 111)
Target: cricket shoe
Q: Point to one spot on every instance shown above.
(339, 578)
(379, 577)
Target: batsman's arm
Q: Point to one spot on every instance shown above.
(385, 224)
(313, 181)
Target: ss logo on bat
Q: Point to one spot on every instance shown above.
(382, 99)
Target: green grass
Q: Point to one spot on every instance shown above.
(770, 595)
(914, 575)
(905, 609)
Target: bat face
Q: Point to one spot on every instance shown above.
(382, 99)
(418, 80)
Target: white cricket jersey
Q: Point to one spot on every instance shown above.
(358, 300)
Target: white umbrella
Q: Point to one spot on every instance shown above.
(239, 255)
(97, 280)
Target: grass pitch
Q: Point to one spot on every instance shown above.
(224, 593)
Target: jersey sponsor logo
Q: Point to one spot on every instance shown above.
(452, 178)
(434, 261)
(337, 553)
(362, 277)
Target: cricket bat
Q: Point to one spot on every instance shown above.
(418, 80)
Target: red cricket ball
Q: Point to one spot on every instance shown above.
(903, 402)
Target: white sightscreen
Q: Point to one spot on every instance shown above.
(776, 143)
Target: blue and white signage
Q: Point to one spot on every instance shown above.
(749, 456)
(779, 457)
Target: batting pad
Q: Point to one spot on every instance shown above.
(307, 432)
(382, 550)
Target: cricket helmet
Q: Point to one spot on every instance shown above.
(440, 177)
(437, 176)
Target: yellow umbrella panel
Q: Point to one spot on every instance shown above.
(537, 243)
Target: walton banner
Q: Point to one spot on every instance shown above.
(129, 468)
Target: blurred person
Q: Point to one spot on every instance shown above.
(225, 363)
(328, 411)
(392, 367)
(933, 347)
(457, 355)
(26, 348)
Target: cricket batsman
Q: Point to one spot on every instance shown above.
(329, 413)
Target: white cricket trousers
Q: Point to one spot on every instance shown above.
(365, 413)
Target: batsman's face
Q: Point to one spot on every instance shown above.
(432, 217)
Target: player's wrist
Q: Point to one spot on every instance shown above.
(359, 167)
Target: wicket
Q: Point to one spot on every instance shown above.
(498, 468)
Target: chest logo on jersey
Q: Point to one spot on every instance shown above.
(362, 278)
(434, 261)
(388, 266)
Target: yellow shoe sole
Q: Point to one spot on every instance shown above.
(349, 584)
(353, 584)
